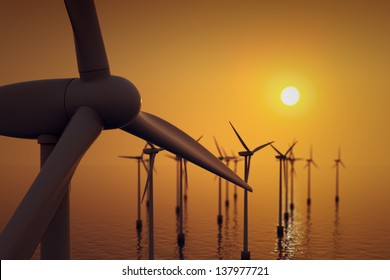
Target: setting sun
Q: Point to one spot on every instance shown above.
(290, 96)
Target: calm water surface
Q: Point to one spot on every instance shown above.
(103, 209)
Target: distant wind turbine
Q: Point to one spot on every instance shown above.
(75, 111)
(236, 161)
(227, 160)
(292, 160)
(221, 158)
(308, 164)
(281, 157)
(182, 163)
(139, 161)
(152, 152)
(337, 162)
(247, 154)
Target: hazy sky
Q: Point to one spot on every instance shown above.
(199, 64)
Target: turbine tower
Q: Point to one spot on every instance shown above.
(236, 161)
(152, 152)
(337, 162)
(75, 111)
(221, 158)
(140, 160)
(281, 157)
(309, 162)
(292, 159)
(247, 154)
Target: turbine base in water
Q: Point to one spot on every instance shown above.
(337, 199)
(292, 206)
(227, 203)
(219, 219)
(180, 239)
(245, 255)
(286, 216)
(308, 201)
(138, 224)
(280, 231)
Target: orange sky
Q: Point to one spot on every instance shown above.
(200, 64)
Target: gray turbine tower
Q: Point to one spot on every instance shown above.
(67, 116)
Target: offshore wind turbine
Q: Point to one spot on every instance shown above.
(309, 162)
(68, 115)
(236, 161)
(247, 154)
(178, 181)
(221, 158)
(281, 157)
(292, 159)
(152, 152)
(337, 162)
(227, 160)
(182, 163)
(140, 160)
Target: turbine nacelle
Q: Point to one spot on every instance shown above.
(245, 153)
(115, 99)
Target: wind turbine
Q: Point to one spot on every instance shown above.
(308, 164)
(236, 161)
(182, 163)
(178, 182)
(152, 152)
(247, 154)
(227, 160)
(281, 157)
(337, 162)
(75, 111)
(292, 159)
(221, 158)
(178, 162)
(139, 161)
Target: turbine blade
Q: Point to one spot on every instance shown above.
(91, 55)
(262, 146)
(219, 150)
(144, 164)
(239, 138)
(129, 157)
(290, 149)
(224, 153)
(151, 167)
(315, 165)
(169, 137)
(30, 220)
(197, 140)
(146, 144)
(277, 150)
(342, 164)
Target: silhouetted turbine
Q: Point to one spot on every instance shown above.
(281, 157)
(292, 160)
(236, 161)
(139, 161)
(337, 162)
(152, 152)
(247, 154)
(308, 165)
(180, 235)
(77, 110)
(227, 159)
(221, 158)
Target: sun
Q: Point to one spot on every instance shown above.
(290, 96)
